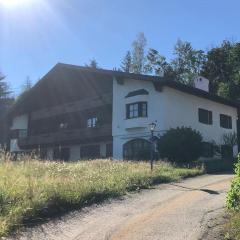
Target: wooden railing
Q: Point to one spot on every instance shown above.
(65, 136)
(81, 105)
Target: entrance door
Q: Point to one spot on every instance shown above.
(137, 149)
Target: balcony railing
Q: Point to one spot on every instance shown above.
(65, 136)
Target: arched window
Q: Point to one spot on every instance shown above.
(137, 149)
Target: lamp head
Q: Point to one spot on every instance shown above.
(152, 126)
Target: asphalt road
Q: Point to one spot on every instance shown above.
(184, 210)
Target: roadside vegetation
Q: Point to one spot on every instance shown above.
(31, 190)
(233, 203)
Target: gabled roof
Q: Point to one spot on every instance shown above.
(66, 82)
(159, 82)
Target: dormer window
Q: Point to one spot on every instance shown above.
(135, 110)
(92, 122)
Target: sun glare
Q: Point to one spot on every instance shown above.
(13, 3)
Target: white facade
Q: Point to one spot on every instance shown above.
(169, 108)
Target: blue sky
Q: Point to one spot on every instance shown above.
(36, 34)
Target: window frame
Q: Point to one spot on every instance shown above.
(227, 120)
(137, 110)
(92, 122)
(201, 119)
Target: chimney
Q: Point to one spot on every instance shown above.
(161, 72)
(201, 83)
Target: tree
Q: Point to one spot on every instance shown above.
(223, 90)
(188, 62)
(126, 65)
(92, 64)
(4, 88)
(158, 65)
(5, 103)
(138, 53)
(230, 139)
(27, 85)
(222, 68)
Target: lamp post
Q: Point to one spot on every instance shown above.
(152, 127)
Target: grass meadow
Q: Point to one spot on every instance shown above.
(32, 190)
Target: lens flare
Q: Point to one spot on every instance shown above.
(13, 3)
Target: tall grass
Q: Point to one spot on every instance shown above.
(31, 189)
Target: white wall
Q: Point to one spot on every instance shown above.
(127, 129)
(168, 109)
(75, 152)
(182, 110)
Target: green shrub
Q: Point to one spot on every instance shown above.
(233, 203)
(180, 145)
(233, 197)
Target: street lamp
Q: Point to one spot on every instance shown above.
(152, 127)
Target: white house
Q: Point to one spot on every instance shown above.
(77, 112)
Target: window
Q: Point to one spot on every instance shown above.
(135, 110)
(92, 122)
(225, 121)
(205, 116)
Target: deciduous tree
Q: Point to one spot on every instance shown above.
(188, 62)
(138, 53)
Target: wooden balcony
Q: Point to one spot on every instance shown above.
(81, 105)
(82, 136)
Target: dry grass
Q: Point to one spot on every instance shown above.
(233, 227)
(31, 189)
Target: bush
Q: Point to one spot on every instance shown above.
(233, 197)
(233, 203)
(180, 145)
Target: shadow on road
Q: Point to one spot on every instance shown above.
(209, 191)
